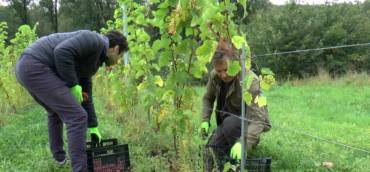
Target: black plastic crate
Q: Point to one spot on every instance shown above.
(253, 165)
(103, 143)
(258, 164)
(210, 162)
(108, 156)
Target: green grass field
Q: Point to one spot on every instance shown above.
(337, 110)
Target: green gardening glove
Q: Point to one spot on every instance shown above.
(95, 135)
(204, 128)
(77, 93)
(236, 151)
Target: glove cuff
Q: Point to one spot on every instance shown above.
(93, 130)
(204, 122)
(77, 88)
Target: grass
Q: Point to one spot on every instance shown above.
(24, 143)
(337, 110)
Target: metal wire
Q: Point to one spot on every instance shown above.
(313, 49)
(302, 133)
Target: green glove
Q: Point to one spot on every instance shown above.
(204, 127)
(77, 93)
(95, 135)
(236, 151)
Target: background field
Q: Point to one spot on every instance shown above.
(337, 110)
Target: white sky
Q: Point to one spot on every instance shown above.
(281, 2)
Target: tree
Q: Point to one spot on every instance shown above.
(21, 7)
(51, 7)
(91, 14)
(292, 27)
(8, 15)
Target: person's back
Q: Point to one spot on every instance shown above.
(84, 49)
(43, 48)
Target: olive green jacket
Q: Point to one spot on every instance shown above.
(233, 102)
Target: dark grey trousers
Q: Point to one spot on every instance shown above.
(225, 135)
(53, 94)
(229, 131)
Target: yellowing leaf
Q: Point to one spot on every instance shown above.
(162, 113)
(238, 41)
(261, 101)
(256, 100)
(140, 86)
(158, 80)
(174, 20)
(265, 86)
(266, 82)
(172, 27)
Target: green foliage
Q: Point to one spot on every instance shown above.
(7, 15)
(24, 37)
(305, 110)
(171, 44)
(10, 91)
(51, 11)
(3, 36)
(293, 27)
(233, 68)
(301, 103)
(20, 6)
(85, 14)
(267, 79)
(238, 41)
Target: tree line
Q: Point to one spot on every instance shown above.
(57, 15)
(295, 27)
(269, 28)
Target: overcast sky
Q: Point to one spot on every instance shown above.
(281, 2)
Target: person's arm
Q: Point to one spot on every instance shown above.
(208, 100)
(88, 105)
(67, 52)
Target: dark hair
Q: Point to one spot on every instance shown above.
(224, 49)
(117, 38)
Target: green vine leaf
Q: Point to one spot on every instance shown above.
(238, 41)
(198, 69)
(247, 97)
(248, 80)
(267, 71)
(206, 50)
(233, 68)
(164, 58)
